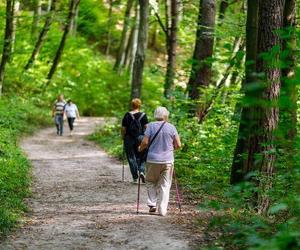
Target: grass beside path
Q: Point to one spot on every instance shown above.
(17, 118)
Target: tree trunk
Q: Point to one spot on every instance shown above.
(43, 35)
(223, 7)
(36, 17)
(171, 42)
(109, 24)
(289, 89)
(138, 66)
(72, 12)
(134, 42)
(201, 73)
(73, 29)
(49, 5)
(124, 38)
(237, 174)
(15, 19)
(259, 156)
(7, 44)
(129, 48)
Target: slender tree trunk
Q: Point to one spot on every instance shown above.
(7, 44)
(36, 17)
(223, 7)
(109, 24)
(153, 39)
(129, 48)
(15, 19)
(73, 29)
(43, 35)
(171, 42)
(201, 73)
(124, 38)
(259, 156)
(237, 174)
(134, 42)
(72, 12)
(49, 5)
(289, 89)
(138, 66)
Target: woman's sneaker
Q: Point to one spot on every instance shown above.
(135, 181)
(152, 210)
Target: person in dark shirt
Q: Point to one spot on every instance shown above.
(134, 124)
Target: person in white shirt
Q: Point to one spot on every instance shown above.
(72, 113)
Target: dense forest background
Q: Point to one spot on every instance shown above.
(226, 69)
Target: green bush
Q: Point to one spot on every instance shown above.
(17, 117)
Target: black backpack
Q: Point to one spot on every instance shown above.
(135, 128)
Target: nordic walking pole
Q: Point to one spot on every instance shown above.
(177, 190)
(138, 196)
(123, 167)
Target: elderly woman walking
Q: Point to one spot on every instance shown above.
(162, 139)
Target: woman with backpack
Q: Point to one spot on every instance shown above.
(161, 139)
(134, 124)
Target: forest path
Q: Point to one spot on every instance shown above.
(80, 202)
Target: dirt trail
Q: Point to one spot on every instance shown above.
(79, 201)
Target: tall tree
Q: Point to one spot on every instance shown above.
(223, 7)
(109, 27)
(257, 137)
(72, 12)
(124, 37)
(36, 17)
(15, 19)
(7, 44)
(201, 73)
(138, 65)
(74, 24)
(171, 43)
(43, 35)
(237, 173)
(289, 89)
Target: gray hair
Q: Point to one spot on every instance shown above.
(161, 113)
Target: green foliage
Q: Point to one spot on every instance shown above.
(17, 117)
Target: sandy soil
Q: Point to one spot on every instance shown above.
(80, 202)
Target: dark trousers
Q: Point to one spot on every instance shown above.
(59, 122)
(71, 121)
(136, 164)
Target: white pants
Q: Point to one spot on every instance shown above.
(159, 181)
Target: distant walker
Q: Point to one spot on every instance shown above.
(72, 113)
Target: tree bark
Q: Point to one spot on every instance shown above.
(134, 43)
(72, 12)
(43, 35)
(138, 66)
(259, 156)
(242, 145)
(36, 17)
(201, 73)
(15, 19)
(109, 24)
(124, 38)
(73, 29)
(171, 43)
(289, 89)
(223, 7)
(7, 44)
